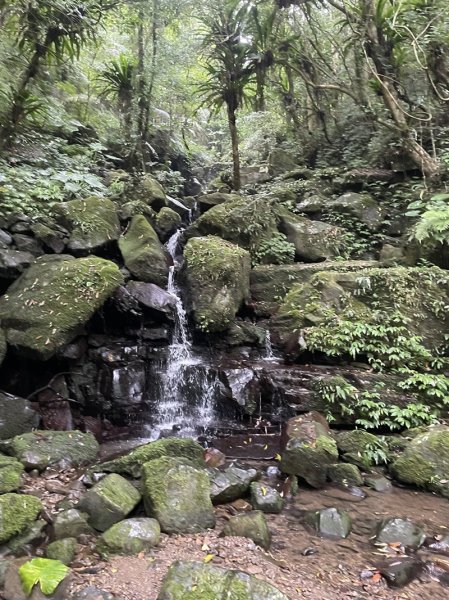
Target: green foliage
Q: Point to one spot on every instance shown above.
(433, 224)
(275, 250)
(46, 572)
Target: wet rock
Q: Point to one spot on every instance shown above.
(63, 550)
(177, 494)
(25, 542)
(314, 241)
(401, 571)
(230, 484)
(345, 474)
(94, 593)
(217, 278)
(5, 239)
(50, 303)
(109, 501)
(265, 498)
(242, 386)
(129, 537)
(309, 449)
(10, 474)
(252, 525)
(151, 191)
(152, 297)
(13, 262)
(132, 463)
(378, 483)
(71, 523)
(13, 586)
(3, 347)
(403, 531)
(143, 253)
(91, 222)
(425, 461)
(187, 579)
(40, 449)
(17, 513)
(214, 458)
(52, 239)
(245, 334)
(357, 447)
(330, 522)
(25, 243)
(167, 222)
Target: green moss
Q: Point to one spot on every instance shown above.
(132, 463)
(328, 445)
(92, 222)
(345, 474)
(10, 474)
(143, 253)
(309, 460)
(129, 537)
(63, 550)
(48, 305)
(17, 512)
(167, 221)
(217, 274)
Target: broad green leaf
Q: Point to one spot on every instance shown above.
(43, 571)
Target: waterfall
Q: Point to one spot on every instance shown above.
(269, 354)
(187, 387)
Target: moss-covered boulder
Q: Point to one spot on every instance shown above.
(330, 522)
(246, 222)
(10, 474)
(63, 550)
(150, 191)
(17, 513)
(13, 262)
(252, 525)
(425, 461)
(393, 305)
(167, 222)
(310, 449)
(143, 253)
(362, 207)
(109, 501)
(177, 494)
(217, 277)
(233, 483)
(129, 537)
(132, 463)
(345, 474)
(270, 283)
(265, 498)
(361, 447)
(207, 201)
(16, 416)
(52, 301)
(281, 161)
(40, 449)
(187, 580)
(92, 223)
(314, 241)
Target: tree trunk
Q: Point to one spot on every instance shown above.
(154, 55)
(260, 103)
(235, 147)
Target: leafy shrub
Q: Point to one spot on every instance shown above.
(276, 250)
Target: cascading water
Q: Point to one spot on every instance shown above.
(269, 354)
(187, 387)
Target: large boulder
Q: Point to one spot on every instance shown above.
(370, 297)
(17, 513)
(330, 522)
(167, 222)
(143, 253)
(40, 449)
(91, 222)
(16, 416)
(132, 463)
(152, 298)
(425, 461)
(109, 501)
(207, 201)
(358, 446)
(362, 207)
(177, 494)
(246, 222)
(192, 580)
(270, 283)
(309, 449)
(314, 241)
(52, 301)
(129, 537)
(217, 278)
(71, 523)
(150, 191)
(252, 525)
(281, 161)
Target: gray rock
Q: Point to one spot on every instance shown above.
(94, 593)
(152, 297)
(13, 262)
(378, 483)
(129, 537)
(361, 206)
(16, 416)
(71, 523)
(109, 501)
(330, 522)
(230, 484)
(63, 550)
(25, 542)
(401, 571)
(265, 498)
(405, 532)
(25, 243)
(252, 525)
(177, 494)
(345, 474)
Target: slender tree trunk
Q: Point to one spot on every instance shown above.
(154, 57)
(141, 77)
(260, 104)
(235, 147)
